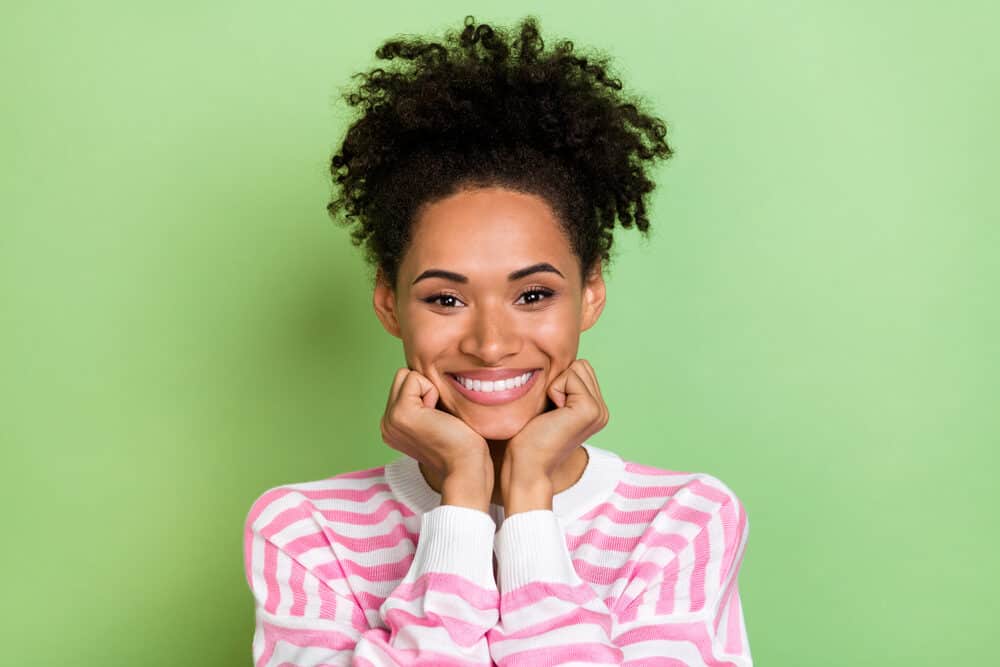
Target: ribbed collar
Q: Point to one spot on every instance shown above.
(603, 472)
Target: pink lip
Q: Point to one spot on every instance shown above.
(494, 397)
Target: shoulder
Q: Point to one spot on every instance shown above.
(687, 502)
(282, 505)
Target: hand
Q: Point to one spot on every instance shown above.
(413, 425)
(535, 453)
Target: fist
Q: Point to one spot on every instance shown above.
(413, 425)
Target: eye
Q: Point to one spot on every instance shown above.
(443, 299)
(536, 295)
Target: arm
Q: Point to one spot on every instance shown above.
(548, 615)
(306, 615)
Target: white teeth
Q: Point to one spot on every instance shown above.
(488, 386)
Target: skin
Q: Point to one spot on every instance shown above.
(520, 453)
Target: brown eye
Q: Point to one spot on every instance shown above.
(536, 295)
(444, 300)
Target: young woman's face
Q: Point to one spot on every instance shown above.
(488, 289)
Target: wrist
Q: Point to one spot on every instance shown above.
(472, 488)
(525, 492)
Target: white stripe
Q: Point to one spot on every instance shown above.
(684, 650)
(276, 507)
(606, 558)
(285, 653)
(363, 531)
(336, 483)
(257, 567)
(567, 635)
(682, 590)
(259, 640)
(717, 550)
(310, 585)
(293, 531)
(282, 573)
(675, 479)
(348, 505)
(444, 603)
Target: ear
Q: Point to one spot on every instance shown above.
(594, 295)
(384, 300)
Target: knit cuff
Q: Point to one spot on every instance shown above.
(531, 547)
(455, 540)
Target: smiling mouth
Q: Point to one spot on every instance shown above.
(495, 392)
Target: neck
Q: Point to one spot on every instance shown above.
(497, 450)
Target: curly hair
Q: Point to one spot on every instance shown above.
(484, 108)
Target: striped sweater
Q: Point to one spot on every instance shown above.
(633, 565)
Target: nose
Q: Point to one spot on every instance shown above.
(492, 334)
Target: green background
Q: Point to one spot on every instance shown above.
(814, 319)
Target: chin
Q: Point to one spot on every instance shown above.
(502, 429)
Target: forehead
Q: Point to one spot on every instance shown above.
(484, 230)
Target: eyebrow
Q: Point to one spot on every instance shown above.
(512, 276)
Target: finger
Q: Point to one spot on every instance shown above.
(557, 389)
(577, 386)
(397, 383)
(596, 387)
(586, 373)
(416, 387)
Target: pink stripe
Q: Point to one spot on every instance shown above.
(650, 471)
(665, 602)
(590, 653)
(397, 534)
(355, 495)
(636, 492)
(295, 582)
(595, 537)
(616, 515)
(734, 626)
(271, 577)
(361, 474)
(305, 510)
(342, 569)
(702, 555)
(263, 502)
(695, 633)
(732, 532)
(631, 569)
(462, 632)
(258, 506)
(328, 639)
(327, 537)
(422, 656)
(578, 616)
(480, 598)
(708, 491)
(537, 591)
(689, 514)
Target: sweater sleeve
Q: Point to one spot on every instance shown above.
(306, 615)
(550, 616)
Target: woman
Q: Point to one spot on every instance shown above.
(485, 176)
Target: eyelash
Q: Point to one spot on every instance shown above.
(547, 293)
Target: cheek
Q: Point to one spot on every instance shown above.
(558, 337)
(424, 344)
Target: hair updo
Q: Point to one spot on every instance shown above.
(487, 108)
